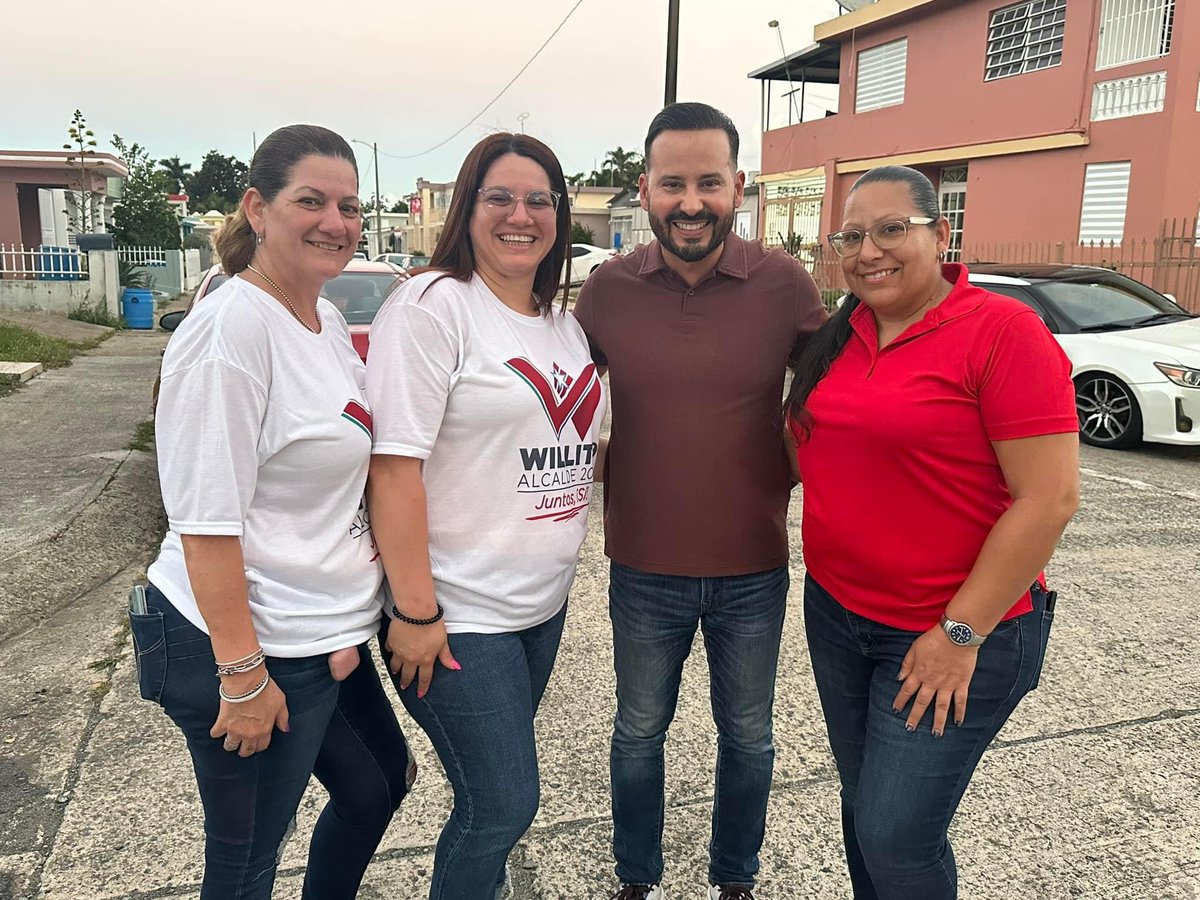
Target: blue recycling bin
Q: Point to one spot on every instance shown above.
(137, 306)
(58, 264)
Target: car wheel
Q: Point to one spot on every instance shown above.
(1109, 415)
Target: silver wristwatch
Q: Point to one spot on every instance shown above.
(961, 633)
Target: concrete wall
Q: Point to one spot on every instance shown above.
(61, 297)
(193, 270)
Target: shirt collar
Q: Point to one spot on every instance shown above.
(732, 262)
(964, 298)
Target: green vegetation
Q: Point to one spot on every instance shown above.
(22, 345)
(143, 436)
(96, 315)
(581, 234)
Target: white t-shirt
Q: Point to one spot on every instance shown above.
(505, 410)
(263, 432)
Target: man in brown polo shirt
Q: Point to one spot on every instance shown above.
(696, 331)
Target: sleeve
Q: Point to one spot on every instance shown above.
(207, 430)
(810, 312)
(412, 364)
(1025, 388)
(585, 314)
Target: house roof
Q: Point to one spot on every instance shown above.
(820, 63)
(100, 163)
(869, 14)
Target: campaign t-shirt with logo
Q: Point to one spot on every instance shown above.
(505, 411)
(263, 432)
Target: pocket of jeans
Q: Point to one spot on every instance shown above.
(1047, 621)
(150, 653)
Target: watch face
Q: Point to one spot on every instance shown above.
(960, 633)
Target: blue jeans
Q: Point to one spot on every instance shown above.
(344, 733)
(900, 790)
(480, 722)
(654, 619)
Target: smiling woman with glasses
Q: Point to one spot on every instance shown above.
(487, 411)
(935, 434)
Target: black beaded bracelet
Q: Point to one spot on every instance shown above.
(409, 620)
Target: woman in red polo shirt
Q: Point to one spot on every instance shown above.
(937, 443)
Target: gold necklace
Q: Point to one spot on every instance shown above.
(286, 300)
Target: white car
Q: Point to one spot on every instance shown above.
(583, 260)
(1135, 353)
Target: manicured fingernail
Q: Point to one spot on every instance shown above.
(286, 729)
(958, 721)
(937, 734)
(420, 694)
(910, 728)
(896, 710)
(455, 666)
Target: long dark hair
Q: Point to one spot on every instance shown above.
(454, 254)
(270, 171)
(826, 345)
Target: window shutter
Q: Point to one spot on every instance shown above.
(1105, 192)
(881, 75)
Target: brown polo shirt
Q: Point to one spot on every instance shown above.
(697, 480)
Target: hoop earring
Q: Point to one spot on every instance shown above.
(941, 256)
(260, 236)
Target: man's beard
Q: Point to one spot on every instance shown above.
(691, 251)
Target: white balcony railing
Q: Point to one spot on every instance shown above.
(1133, 96)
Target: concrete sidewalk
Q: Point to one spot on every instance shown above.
(1092, 791)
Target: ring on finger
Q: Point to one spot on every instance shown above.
(231, 745)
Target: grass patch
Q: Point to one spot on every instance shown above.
(23, 345)
(143, 436)
(96, 315)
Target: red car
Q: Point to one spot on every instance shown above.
(358, 292)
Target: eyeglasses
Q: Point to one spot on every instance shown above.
(500, 203)
(885, 235)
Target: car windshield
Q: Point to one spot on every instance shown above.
(1110, 305)
(359, 294)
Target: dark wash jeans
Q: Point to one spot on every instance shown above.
(654, 620)
(344, 733)
(480, 722)
(900, 790)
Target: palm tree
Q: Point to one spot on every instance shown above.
(176, 170)
(577, 178)
(623, 166)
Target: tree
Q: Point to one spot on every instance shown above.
(399, 207)
(144, 218)
(581, 234)
(218, 184)
(83, 151)
(176, 171)
(578, 178)
(623, 167)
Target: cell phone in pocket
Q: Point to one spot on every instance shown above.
(137, 600)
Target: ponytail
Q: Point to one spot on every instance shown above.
(819, 353)
(235, 242)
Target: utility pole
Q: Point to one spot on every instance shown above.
(378, 202)
(672, 50)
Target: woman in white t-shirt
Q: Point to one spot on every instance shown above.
(487, 424)
(253, 631)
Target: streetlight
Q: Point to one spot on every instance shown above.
(378, 218)
(672, 51)
(521, 118)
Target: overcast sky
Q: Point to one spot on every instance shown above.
(182, 78)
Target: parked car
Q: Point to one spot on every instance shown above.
(583, 260)
(1135, 353)
(403, 260)
(358, 292)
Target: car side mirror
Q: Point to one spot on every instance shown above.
(171, 320)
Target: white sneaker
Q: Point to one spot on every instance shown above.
(733, 892)
(638, 892)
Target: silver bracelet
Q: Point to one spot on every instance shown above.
(238, 668)
(249, 695)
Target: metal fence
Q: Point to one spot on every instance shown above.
(143, 256)
(42, 263)
(1168, 262)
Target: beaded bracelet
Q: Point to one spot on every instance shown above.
(245, 664)
(249, 695)
(409, 620)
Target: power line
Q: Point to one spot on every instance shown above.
(498, 96)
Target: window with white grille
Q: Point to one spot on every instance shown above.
(1134, 30)
(1134, 96)
(1105, 193)
(881, 75)
(1025, 37)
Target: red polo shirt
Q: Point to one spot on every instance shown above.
(901, 484)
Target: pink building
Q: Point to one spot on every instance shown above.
(38, 190)
(1042, 120)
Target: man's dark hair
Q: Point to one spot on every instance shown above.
(693, 117)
